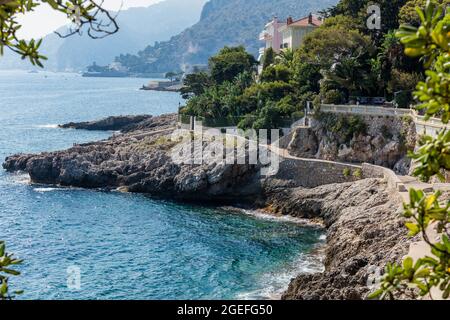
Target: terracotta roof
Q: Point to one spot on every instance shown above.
(307, 21)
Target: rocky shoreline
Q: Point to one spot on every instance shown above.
(364, 227)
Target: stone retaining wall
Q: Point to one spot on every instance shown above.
(393, 181)
(311, 173)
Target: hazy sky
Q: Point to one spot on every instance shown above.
(44, 20)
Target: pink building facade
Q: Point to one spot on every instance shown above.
(272, 37)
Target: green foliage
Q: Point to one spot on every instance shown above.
(427, 272)
(432, 156)
(221, 23)
(403, 81)
(195, 84)
(89, 14)
(344, 127)
(358, 10)
(328, 45)
(172, 75)
(430, 42)
(333, 97)
(306, 76)
(7, 264)
(346, 172)
(269, 58)
(276, 73)
(357, 174)
(285, 58)
(408, 13)
(229, 63)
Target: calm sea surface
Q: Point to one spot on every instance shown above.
(126, 246)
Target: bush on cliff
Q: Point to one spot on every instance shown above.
(343, 127)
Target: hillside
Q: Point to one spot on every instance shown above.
(223, 22)
(138, 26)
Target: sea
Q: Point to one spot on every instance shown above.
(91, 244)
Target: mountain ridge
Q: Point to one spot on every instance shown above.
(222, 22)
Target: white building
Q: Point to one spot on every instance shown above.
(293, 32)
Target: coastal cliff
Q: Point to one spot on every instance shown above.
(379, 140)
(365, 231)
(364, 227)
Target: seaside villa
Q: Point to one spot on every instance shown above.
(293, 32)
(287, 35)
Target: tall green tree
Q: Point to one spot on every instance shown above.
(358, 9)
(230, 62)
(285, 58)
(269, 58)
(195, 84)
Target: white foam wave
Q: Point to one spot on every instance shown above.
(21, 178)
(266, 216)
(273, 284)
(42, 190)
(47, 126)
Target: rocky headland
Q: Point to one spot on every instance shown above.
(116, 123)
(364, 227)
(138, 160)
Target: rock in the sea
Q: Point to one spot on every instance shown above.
(115, 123)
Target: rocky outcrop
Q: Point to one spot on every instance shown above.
(365, 231)
(139, 161)
(111, 123)
(382, 141)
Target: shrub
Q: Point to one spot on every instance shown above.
(346, 172)
(276, 73)
(357, 174)
(334, 97)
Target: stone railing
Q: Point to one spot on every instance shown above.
(431, 126)
(364, 110)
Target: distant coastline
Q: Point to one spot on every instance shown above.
(121, 74)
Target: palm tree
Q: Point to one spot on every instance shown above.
(351, 75)
(285, 57)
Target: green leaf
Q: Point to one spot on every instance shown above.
(376, 294)
(413, 228)
(10, 271)
(4, 288)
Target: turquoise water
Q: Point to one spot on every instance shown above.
(126, 246)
